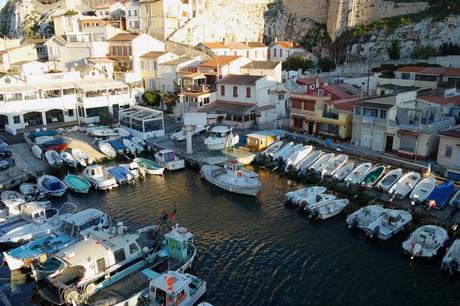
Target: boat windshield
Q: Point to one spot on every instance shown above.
(74, 231)
(218, 134)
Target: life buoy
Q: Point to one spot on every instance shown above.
(239, 174)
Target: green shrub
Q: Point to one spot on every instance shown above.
(394, 50)
(424, 52)
(151, 98)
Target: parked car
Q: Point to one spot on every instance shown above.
(4, 164)
(5, 152)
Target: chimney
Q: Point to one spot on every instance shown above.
(276, 39)
(246, 42)
(316, 82)
(223, 40)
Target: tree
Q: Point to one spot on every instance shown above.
(296, 62)
(169, 100)
(394, 51)
(424, 52)
(105, 118)
(449, 49)
(151, 98)
(326, 64)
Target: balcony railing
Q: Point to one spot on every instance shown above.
(331, 115)
(428, 128)
(198, 88)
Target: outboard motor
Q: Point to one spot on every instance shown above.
(314, 215)
(354, 222)
(375, 232)
(453, 267)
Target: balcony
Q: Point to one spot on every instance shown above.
(198, 89)
(331, 115)
(422, 126)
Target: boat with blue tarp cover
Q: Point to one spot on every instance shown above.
(119, 147)
(36, 134)
(122, 175)
(440, 195)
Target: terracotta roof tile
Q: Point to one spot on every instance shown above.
(437, 99)
(452, 72)
(287, 44)
(236, 45)
(153, 54)
(256, 44)
(237, 79)
(214, 45)
(219, 60)
(414, 69)
(343, 91)
(123, 37)
(453, 132)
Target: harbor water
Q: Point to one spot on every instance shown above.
(258, 252)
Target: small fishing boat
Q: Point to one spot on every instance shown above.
(451, 261)
(404, 185)
(68, 159)
(364, 216)
(388, 224)
(57, 144)
(291, 152)
(221, 137)
(132, 147)
(278, 154)
(119, 147)
(42, 139)
(31, 192)
(77, 183)
(102, 132)
(168, 159)
(122, 132)
(423, 189)
(305, 204)
(344, 171)
(308, 161)
(134, 168)
(107, 149)
(10, 207)
(54, 159)
(12, 198)
(329, 209)
(180, 135)
(233, 178)
(292, 196)
(36, 134)
(335, 164)
(321, 162)
(455, 200)
(440, 195)
(425, 241)
(122, 175)
(272, 149)
(99, 177)
(389, 179)
(358, 173)
(37, 151)
(298, 156)
(51, 185)
(81, 157)
(139, 142)
(373, 176)
(149, 166)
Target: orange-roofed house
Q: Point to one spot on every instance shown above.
(281, 50)
(221, 66)
(113, 10)
(256, 51)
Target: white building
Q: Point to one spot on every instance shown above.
(221, 66)
(132, 16)
(281, 50)
(256, 51)
(113, 10)
(142, 122)
(168, 77)
(150, 70)
(269, 68)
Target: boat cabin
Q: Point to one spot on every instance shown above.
(94, 172)
(220, 131)
(33, 212)
(167, 156)
(259, 142)
(75, 225)
(391, 218)
(170, 289)
(177, 242)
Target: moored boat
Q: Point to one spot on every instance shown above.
(404, 185)
(36, 151)
(57, 144)
(122, 175)
(233, 178)
(54, 159)
(451, 261)
(31, 192)
(440, 195)
(134, 168)
(99, 177)
(68, 159)
(221, 137)
(358, 173)
(423, 189)
(425, 241)
(77, 183)
(36, 134)
(149, 166)
(373, 176)
(455, 200)
(389, 179)
(272, 149)
(168, 159)
(51, 185)
(321, 162)
(389, 223)
(102, 132)
(81, 157)
(118, 146)
(122, 132)
(132, 147)
(364, 216)
(278, 154)
(107, 149)
(335, 164)
(308, 161)
(329, 209)
(298, 156)
(292, 196)
(306, 203)
(344, 171)
(291, 151)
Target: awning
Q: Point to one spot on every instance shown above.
(230, 107)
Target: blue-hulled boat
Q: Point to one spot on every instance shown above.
(58, 144)
(121, 174)
(118, 146)
(440, 195)
(52, 185)
(77, 183)
(36, 134)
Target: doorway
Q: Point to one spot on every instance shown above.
(389, 144)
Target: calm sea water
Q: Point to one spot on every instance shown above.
(257, 252)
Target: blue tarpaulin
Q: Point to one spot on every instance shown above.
(441, 194)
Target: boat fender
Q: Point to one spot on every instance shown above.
(28, 262)
(42, 258)
(239, 174)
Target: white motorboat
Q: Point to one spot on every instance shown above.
(133, 147)
(334, 165)
(135, 169)
(451, 261)
(321, 162)
(286, 155)
(221, 137)
(344, 171)
(42, 139)
(306, 203)
(329, 209)
(389, 223)
(292, 196)
(12, 198)
(298, 156)
(31, 192)
(272, 149)
(54, 159)
(102, 133)
(51, 185)
(423, 189)
(122, 132)
(11, 205)
(168, 159)
(107, 149)
(180, 135)
(278, 154)
(364, 216)
(358, 173)
(81, 157)
(138, 141)
(455, 200)
(425, 241)
(308, 160)
(68, 159)
(389, 179)
(37, 151)
(404, 185)
(100, 177)
(233, 178)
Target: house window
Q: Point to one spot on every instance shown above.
(16, 119)
(70, 113)
(448, 153)
(235, 91)
(383, 114)
(320, 92)
(135, 12)
(358, 111)
(281, 52)
(405, 76)
(274, 52)
(247, 54)
(155, 65)
(248, 92)
(222, 90)
(206, 101)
